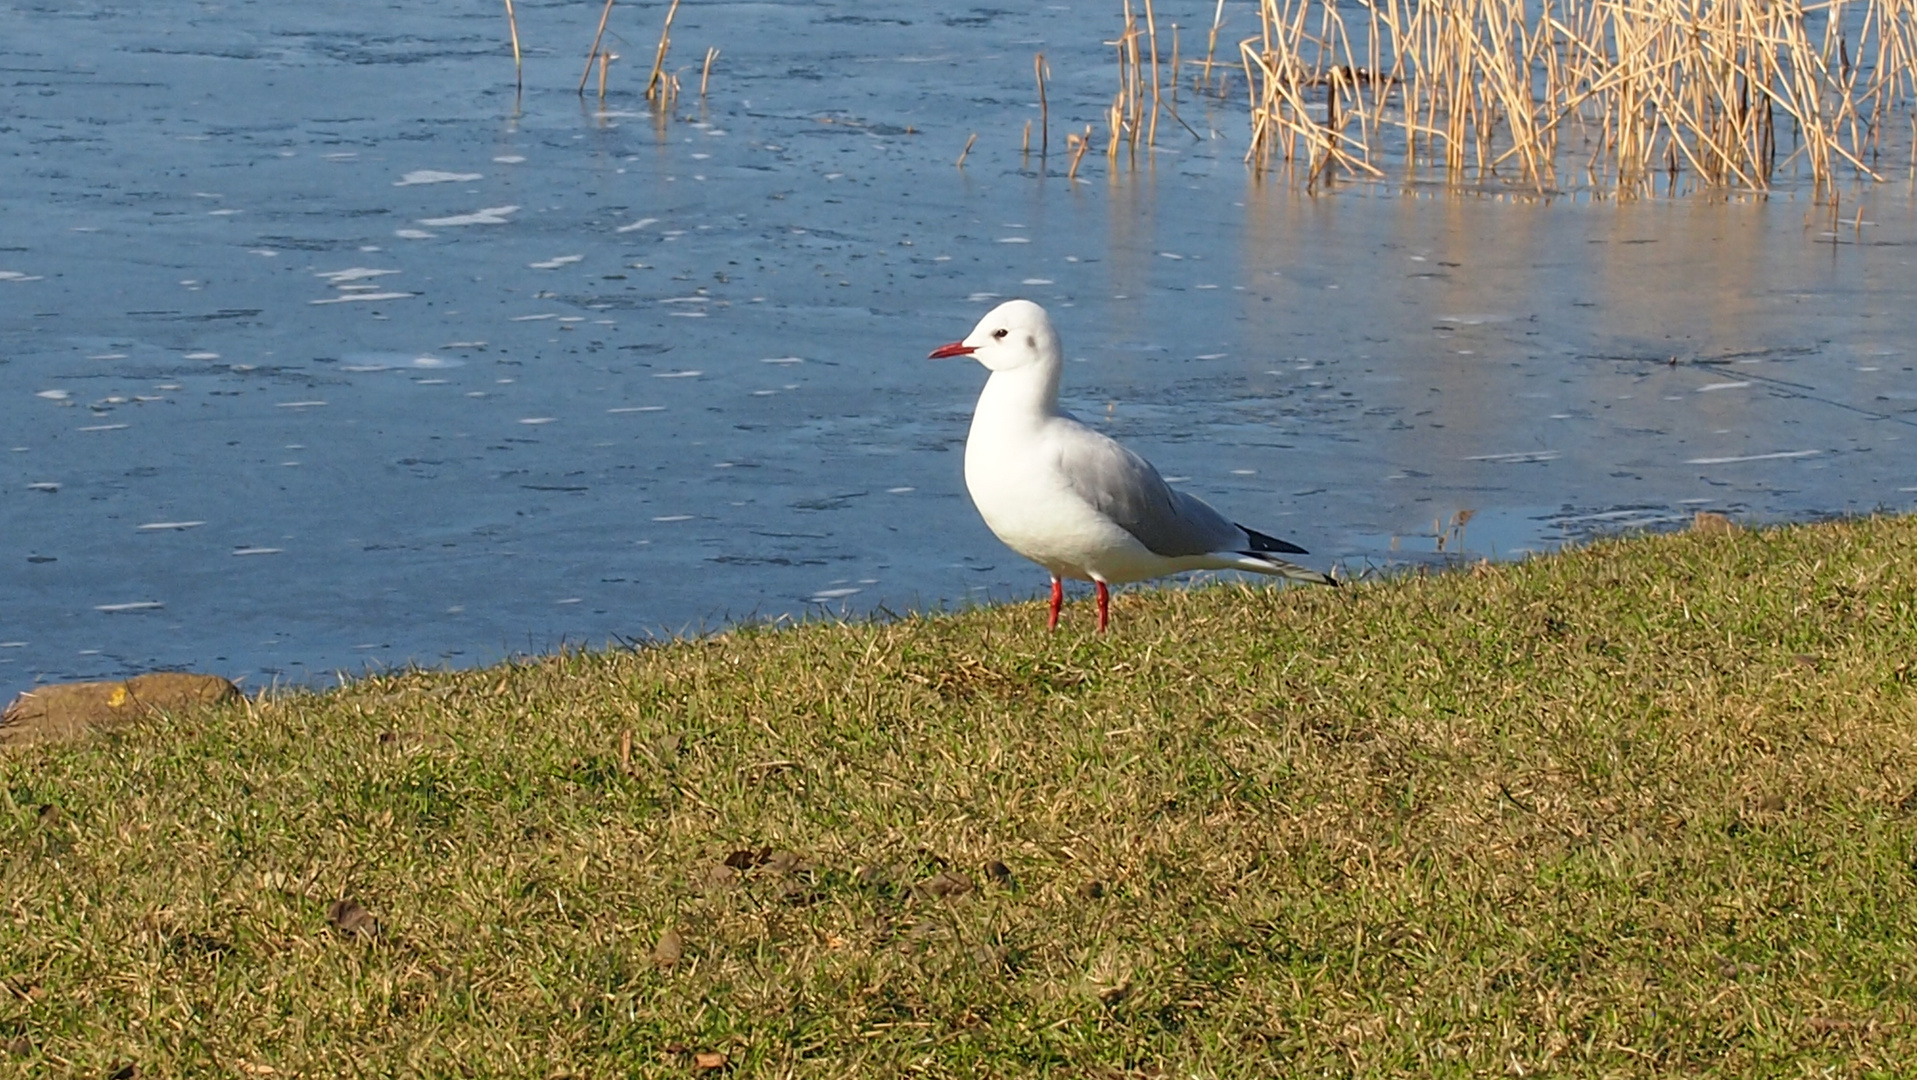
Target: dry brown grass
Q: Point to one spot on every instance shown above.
(1643, 809)
(1609, 93)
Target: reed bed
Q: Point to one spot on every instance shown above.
(662, 86)
(1613, 94)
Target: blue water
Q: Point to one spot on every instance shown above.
(321, 349)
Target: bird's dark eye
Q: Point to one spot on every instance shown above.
(998, 333)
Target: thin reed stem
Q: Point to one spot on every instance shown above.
(1039, 71)
(512, 28)
(657, 87)
(593, 53)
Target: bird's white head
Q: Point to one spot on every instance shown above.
(1013, 335)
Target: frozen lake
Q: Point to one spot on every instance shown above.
(317, 350)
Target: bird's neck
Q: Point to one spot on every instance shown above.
(1029, 392)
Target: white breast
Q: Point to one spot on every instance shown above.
(1014, 481)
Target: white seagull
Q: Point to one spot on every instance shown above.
(1069, 498)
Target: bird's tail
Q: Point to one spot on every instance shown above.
(1291, 570)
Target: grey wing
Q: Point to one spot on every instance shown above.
(1124, 487)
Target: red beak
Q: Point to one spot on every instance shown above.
(957, 348)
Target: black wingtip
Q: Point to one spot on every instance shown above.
(1262, 544)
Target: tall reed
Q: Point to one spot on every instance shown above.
(1723, 93)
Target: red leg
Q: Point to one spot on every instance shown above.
(1058, 598)
(1104, 606)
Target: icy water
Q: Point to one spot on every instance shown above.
(319, 351)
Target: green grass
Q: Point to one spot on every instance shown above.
(1645, 808)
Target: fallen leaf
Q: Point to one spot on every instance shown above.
(351, 920)
(746, 858)
(709, 1059)
(669, 950)
(785, 862)
(946, 884)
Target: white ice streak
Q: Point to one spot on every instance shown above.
(1521, 457)
(556, 262)
(170, 526)
(364, 297)
(351, 274)
(637, 225)
(137, 605)
(492, 215)
(1775, 456)
(434, 176)
(1708, 387)
(18, 275)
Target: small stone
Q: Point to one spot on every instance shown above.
(670, 949)
(70, 710)
(1710, 523)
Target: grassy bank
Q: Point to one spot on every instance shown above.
(1644, 808)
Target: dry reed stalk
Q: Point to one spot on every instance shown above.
(1077, 144)
(1151, 29)
(657, 82)
(593, 53)
(1211, 46)
(705, 73)
(512, 27)
(1025, 144)
(1040, 69)
(1173, 103)
(605, 61)
(1133, 75)
(968, 149)
(1691, 89)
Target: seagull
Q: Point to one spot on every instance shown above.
(1073, 500)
